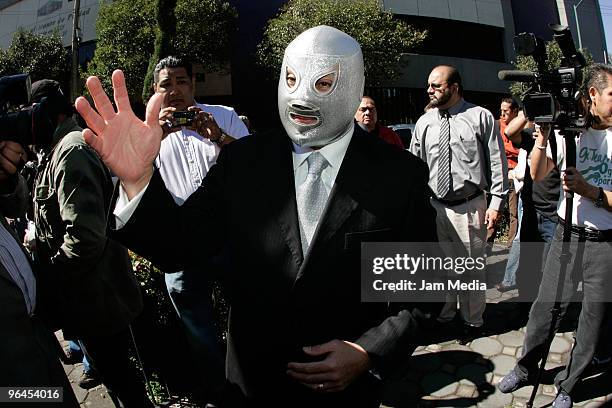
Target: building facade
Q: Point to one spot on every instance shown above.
(474, 35)
(47, 17)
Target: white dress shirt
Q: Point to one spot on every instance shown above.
(333, 153)
(185, 157)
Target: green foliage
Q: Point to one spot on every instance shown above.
(153, 287)
(150, 277)
(126, 31)
(204, 31)
(166, 23)
(553, 60)
(39, 55)
(383, 39)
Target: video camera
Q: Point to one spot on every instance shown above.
(33, 125)
(554, 96)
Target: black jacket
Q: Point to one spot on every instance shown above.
(280, 301)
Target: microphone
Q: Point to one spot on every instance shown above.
(517, 76)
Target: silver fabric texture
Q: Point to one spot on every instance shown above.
(311, 198)
(444, 175)
(310, 118)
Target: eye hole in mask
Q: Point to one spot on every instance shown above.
(326, 83)
(292, 80)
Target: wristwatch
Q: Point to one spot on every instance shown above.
(599, 201)
(219, 141)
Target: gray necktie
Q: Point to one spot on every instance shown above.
(311, 198)
(444, 175)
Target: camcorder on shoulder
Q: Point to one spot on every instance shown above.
(554, 96)
(19, 122)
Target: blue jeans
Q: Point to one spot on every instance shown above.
(546, 228)
(515, 251)
(76, 348)
(191, 295)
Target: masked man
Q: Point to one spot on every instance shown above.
(298, 332)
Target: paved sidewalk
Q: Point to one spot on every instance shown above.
(447, 374)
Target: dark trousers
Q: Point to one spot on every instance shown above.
(109, 356)
(191, 295)
(512, 201)
(590, 262)
(537, 233)
(364, 392)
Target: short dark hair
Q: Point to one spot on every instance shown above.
(453, 76)
(172, 62)
(597, 77)
(513, 103)
(369, 97)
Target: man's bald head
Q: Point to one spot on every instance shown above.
(444, 86)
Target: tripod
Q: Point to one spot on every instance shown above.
(565, 258)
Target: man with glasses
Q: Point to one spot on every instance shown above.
(461, 144)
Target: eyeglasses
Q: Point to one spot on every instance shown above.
(436, 86)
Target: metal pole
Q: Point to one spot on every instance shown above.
(578, 24)
(74, 70)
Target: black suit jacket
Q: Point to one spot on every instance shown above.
(281, 301)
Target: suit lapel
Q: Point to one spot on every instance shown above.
(280, 188)
(353, 179)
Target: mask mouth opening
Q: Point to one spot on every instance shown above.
(303, 114)
(303, 120)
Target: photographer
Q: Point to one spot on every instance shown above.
(591, 234)
(186, 154)
(27, 350)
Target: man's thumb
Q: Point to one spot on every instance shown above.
(319, 349)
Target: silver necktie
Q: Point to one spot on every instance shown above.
(311, 198)
(444, 175)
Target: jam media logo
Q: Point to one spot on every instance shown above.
(595, 166)
(48, 8)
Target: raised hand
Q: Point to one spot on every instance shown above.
(127, 145)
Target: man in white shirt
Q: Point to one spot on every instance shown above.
(185, 156)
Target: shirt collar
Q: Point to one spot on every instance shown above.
(333, 152)
(455, 109)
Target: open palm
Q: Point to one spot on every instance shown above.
(127, 145)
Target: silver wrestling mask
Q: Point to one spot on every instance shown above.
(320, 86)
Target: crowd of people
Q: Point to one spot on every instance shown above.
(282, 216)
